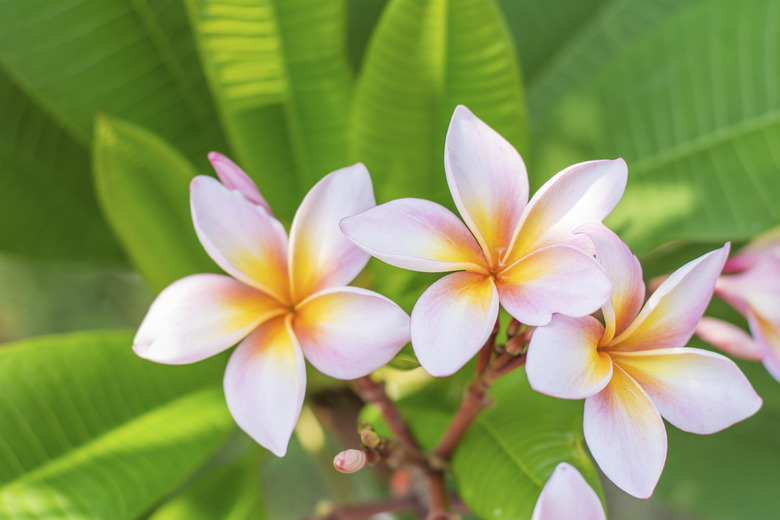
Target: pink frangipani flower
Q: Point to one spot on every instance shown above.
(567, 495)
(634, 369)
(285, 299)
(752, 287)
(519, 253)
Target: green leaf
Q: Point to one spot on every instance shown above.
(426, 57)
(131, 58)
(541, 29)
(45, 187)
(687, 93)
(280, 75)
(143, 187)
(228, 492)
(92, 431)
(513, 447)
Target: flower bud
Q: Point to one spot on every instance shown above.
(349, 461)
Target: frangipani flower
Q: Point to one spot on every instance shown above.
(285, 298)
(635, 369)
(567, 495)
(753, 289)
(520, 253)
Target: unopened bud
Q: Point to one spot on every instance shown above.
(349, 461)
(514, 328)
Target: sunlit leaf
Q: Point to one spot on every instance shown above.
(92, 431)
(279, 73)
(143, 188)
(426, 57)
(687, 93)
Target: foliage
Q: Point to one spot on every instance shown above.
(108, 109)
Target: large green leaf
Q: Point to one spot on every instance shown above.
(45, 188)
(541, 29)
(513, 447)
(143, 187)
(92, 431)
(280, 75)
(687, 93)
(426, 57)
(131, 58)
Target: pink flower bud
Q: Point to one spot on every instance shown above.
(349, 461)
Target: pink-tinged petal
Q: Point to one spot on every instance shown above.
(487, 179)
(625, 273)
(563, 360)
(670, 315)
(626, 435)
(767, 244)
(320, 255)
(242, 238)
(265, 382)
(696, 390)
(729, 338)
(415, 234)
(349, 332)
(757, 288)
(452, 320)
(199, 316)
(581, 194)
(768, 338)
(234, 178)
(567, 495)
(556, 279)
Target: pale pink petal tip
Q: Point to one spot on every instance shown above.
(729, 338)
(567, 495)
(350, 461)
(234, 178)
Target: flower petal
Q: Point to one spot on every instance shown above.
(670, 315)
(626, 435)
(757, 288)
(581, 194)
(768, 337)
(349, 332)
(767, 244)
(563, 360)
(729, 338)
(625, 273)
(320, 255)
(559, 279)
(199, 316)
(265, 382)
(567, 495)
(234, 178)
(487, 179)
(415, 234)
(452, 320)
(695, 390)
(242, 238)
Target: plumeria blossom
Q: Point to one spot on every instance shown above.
(519, 253)
(752, 287)
(567, 495)
(285, 299)
(634, 369)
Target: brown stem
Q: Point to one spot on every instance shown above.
(473, 402)
(439, 506)
(485, 353)
(374, 393)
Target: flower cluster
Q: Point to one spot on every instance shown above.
(548, 261)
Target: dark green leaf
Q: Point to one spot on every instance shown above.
(143, 187)
(92, 431)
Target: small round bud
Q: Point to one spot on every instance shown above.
(349, 461)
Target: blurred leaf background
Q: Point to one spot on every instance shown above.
(109, 107)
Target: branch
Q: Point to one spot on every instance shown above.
(374, 393)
